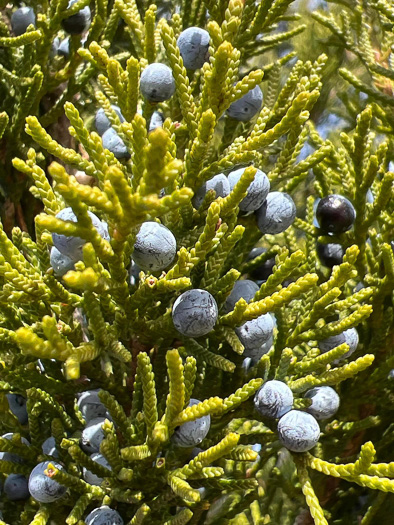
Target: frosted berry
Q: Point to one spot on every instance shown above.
(195, 313)
(43, 488)
(10, 456)
(330, 254)
(325, 402)
(218, 183)
(359, 286)
(64, 48)
(91, 478)
(273, 399)
(60, 263)
(156, 121)
(157, 82)
(49, 447)
(102, 122)
(78, 23)
(17, 406)
(72, 246)
(298, 431)
(349, 337)
(335, 214)
(276, 214)
(264, 270)
(104, 516)
(91, 406)
(105, 231)
(155, 247)
(247, 106)
(257, 191)
(21, 19)
(113, 143)
(16, 487)
(194, 432)
(54, 47)
(244, 289)
(193, 45)
(93, 435)
(256, 332)
(255, 354)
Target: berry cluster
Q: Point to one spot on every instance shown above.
(334, 215)
(75, 24)
(298, 431)
(44, 489)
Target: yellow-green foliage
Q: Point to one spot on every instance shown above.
(101, 326)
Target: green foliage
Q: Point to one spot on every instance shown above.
(100, 326)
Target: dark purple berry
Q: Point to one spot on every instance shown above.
(335, 214)
(79, 22)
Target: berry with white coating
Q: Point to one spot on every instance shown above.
(64, 48)
(219, 183)
(44, 488)
(49, 447)
(255, 354)
(369, 198)
(78, 23)
(21, 19)
(276, 214)
(243, 289)
(350, 337)
(93, 435)
(60, 263)
(154, 247)
(247, 106)
(105, 231)
(257, 191)
(16, 487)
(193, 45)
(157, 82)
(256, 332)
(274, 399)
(113, 143)
(102, 122)
(330, 254)
(298, 431)
(325, 402)
(91, 478)
(156, 121)
(195, 313)
(194, 432)
(17, 404)
(104, 516)
(335, 214)
(91, 406)
(72, 246)
(54, 47)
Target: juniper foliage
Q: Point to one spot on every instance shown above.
(104, 326)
